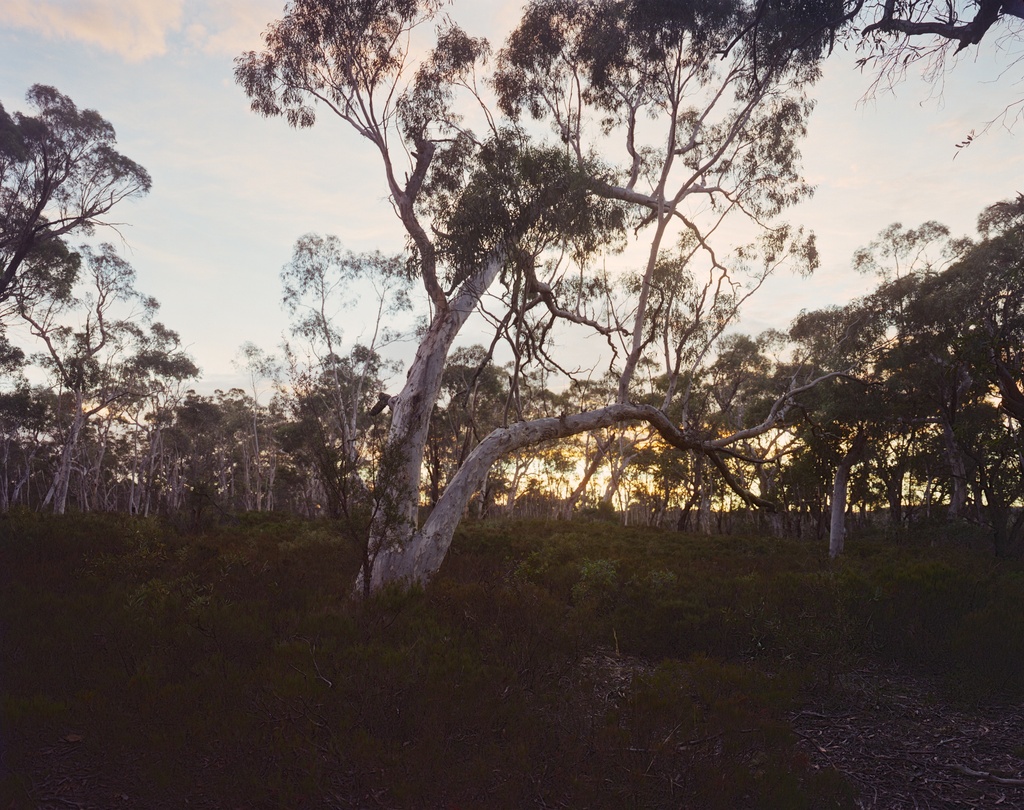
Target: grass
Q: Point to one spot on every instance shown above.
(549, 664)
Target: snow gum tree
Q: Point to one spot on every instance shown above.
(667, 122)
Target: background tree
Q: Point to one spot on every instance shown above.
(59, 175)
(320, 284)
(24, 417)
(934, 348)
(474, 395)
(970, 318)
(97, 351)
(163, 369)
(838, 415)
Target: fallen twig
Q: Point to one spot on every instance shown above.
(1002, 780)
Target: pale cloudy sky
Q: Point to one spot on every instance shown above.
(232, 192)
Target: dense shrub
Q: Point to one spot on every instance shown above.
(547, 664)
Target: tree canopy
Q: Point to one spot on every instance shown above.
(59, 175)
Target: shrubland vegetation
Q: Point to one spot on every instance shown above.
(580, 664)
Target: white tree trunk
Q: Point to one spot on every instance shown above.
(400, 553)
(398, 483)
(840, 488)
(837, 526)
(58, 494)
(5, 477)
(958, 471)
(417, 559)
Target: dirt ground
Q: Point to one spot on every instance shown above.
(906, 748)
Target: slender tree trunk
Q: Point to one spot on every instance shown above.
(133, 488)
(840, 488)
(254, 485)
(5, 482)
(270, 477)
(227, 485)
(58, 493)
(683, 524)
(894, 495)
(519, 470)
(588, 474)
(615, 479)
(98, 493)
(152, 464)
(25, 478)
(958, 471)
(703, 492)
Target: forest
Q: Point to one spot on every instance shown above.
(603, 525)
(918, 424)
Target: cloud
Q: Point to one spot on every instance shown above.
(134, 29)
(138, 30)
(229, 27)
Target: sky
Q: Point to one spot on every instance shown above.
(233, 191)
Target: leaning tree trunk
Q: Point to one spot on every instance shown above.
(417, 559)
(405, 554)
(391, 556)
(588, 474)
(840, 487)
(422, 554)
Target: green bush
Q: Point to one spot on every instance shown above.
(234, 666)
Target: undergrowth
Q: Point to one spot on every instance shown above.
(549, 664)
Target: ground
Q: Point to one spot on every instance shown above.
(562, 665)
(907, 748)
(893, 735)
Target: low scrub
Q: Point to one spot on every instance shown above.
(549, 664)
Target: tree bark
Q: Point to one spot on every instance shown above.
(398, 483)
(421, 555)
(417, 559)
(58, 494)
(958, 471)
(588, 474)
(840, 487)
(403, 554)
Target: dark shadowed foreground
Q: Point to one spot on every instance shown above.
(549, 665)
(900, 740)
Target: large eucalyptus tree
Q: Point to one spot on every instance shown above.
(59, 175)
(668, 122)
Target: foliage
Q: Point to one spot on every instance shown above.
(496, 684)
(59, 175)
